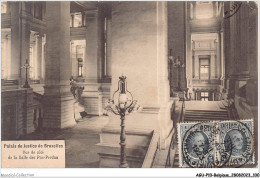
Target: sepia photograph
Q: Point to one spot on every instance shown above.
(129, 84)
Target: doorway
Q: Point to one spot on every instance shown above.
(204, 96)
(204, 68)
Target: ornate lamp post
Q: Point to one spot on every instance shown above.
(26, 66)
(121, 104)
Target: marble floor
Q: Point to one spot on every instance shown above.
(80, 141)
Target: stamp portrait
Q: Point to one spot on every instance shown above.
(216, 144)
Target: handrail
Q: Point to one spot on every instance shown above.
(151, 152)
(168, 160)
(232, 111)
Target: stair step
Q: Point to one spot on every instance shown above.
(206, 117)
(217, 115)
(207, 111)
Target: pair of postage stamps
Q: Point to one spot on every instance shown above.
(216, 144)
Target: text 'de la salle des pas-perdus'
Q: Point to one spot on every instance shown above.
(36, 154)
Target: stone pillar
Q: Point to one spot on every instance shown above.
(92, 94)
(5, 58)
(214, 8)
(212, 66)
(72, 20)
(218, 57)
(39, 57)
(189, 58)
(8, 56)
(25, 48)
(100, 43)
(146, 72)
(229, 52)
(43, 58)
(15, 40)
(83, 18)
(194, 10)
(197, 67)
(20, 42)
(109, 40)
(222, 56)
(91, 49)
(73, 59)
(58, 100)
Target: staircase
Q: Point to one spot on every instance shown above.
(198, 112)
(205, 115)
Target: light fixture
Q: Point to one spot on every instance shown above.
(121, 104)
(26, 66)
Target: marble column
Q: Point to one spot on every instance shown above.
(197, 67)
(8, 55)
(214, 9)
(92, 94)
(212, 66)
(39, 57)
(145, 69)
(218, 57)
(194, 10)
(5, 58)
(91, 48)
(43, 58)
(25, 48)
(74, 67)
(83, 18)
(20, 43)
(15, 40)
(108, 51)
(189, 58)
(58, 100)
(222, 56)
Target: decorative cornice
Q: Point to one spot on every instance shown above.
(35, 24)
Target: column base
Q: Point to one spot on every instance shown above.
(58, 112)
(95, 97)
(92, 99)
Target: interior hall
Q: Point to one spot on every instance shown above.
(183, 61)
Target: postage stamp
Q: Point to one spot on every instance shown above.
(216, 144)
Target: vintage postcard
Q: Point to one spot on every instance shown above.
(129, 84)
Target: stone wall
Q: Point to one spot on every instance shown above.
(240, 39)
(17, 113)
